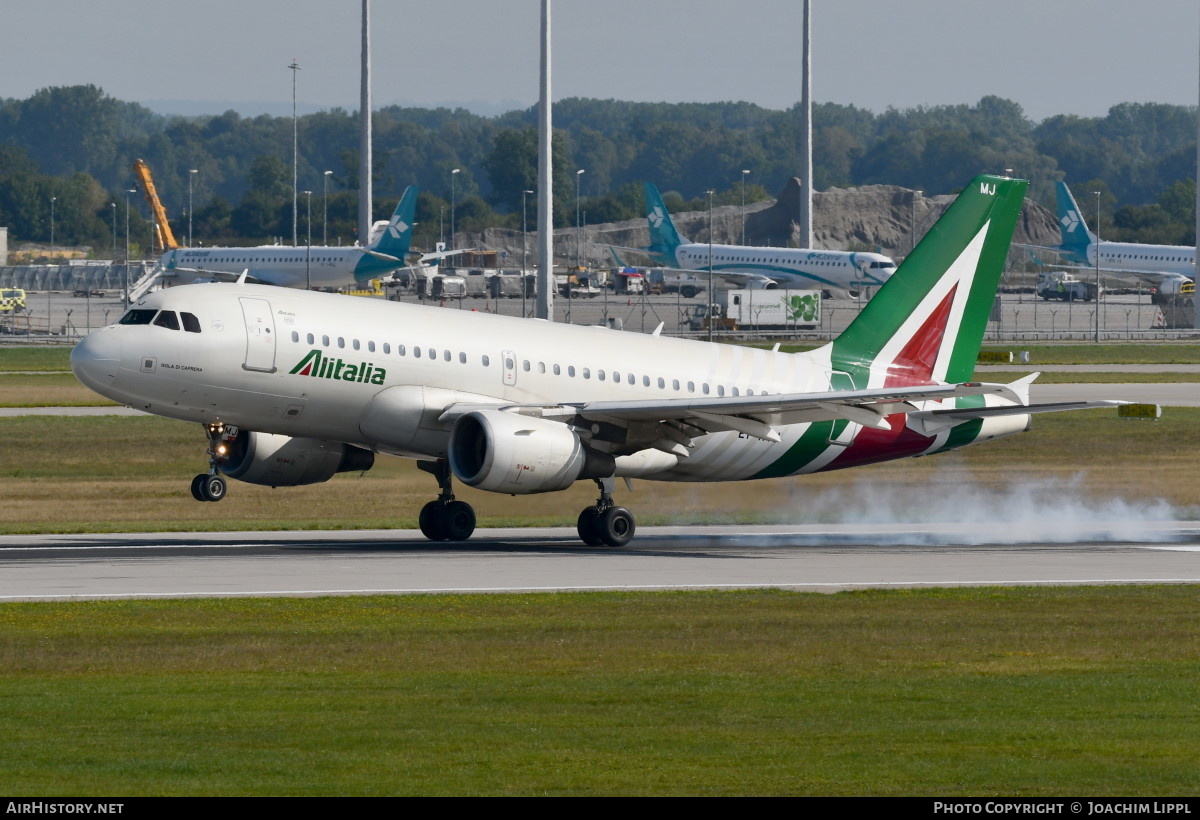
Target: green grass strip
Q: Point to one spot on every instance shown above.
(1030, 692)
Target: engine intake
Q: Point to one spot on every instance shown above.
(283, 461)
(510, 453)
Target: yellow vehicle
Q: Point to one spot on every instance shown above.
(12, 300)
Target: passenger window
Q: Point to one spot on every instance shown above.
(399, 350)
(629, 377)
(587, 374)
(674, 384)
(341, 342)
(295, 336)
(355, 344)
(191, 324)
(541, 367)
(462, 358)
(557, 370)
(167, 319)
(525, 365)
(387, 348)
(325, 341)
(600, 375)
(691, 387)
(416, 352)
(645, 381)
(486, 361)
(311, 338)
(446, 355)
(704, 388)
(571, 371)
(720, 390)
(662, 383)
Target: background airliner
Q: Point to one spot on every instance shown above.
(294, 386)
(299, 267)
(788, 267)
(1165, 266)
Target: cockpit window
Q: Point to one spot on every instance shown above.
(137, 316)
(167, 319)
(190, 323)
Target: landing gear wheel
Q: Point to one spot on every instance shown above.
(458, 520)
(212, 488)
(589, 526)
(197, 490)
(615, 526)
(431, 522)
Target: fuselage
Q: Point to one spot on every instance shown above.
(377, 374)
(1179, 260)
(791, 267)
(284, 266)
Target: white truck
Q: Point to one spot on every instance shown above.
(1066, 286)
(760, 310)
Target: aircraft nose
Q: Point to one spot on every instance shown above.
(96, 359)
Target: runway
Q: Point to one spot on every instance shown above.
(820, 558)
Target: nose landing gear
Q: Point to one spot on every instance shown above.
(604, 522)
(211, 486)
(445, 519)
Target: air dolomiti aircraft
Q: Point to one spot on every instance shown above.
(752, 266)
(299, 267)
(1165, 266)
(294, 386)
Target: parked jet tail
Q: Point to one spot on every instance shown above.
(926, 323)
(1075, 234)
(664, 238)
(396, 238)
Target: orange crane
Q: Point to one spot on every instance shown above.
(162, 229)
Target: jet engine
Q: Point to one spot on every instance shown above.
(283, 461)
(511, 453)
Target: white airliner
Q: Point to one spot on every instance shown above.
(1165, 266)
(294, 386)
(300, 267)
(752, 266)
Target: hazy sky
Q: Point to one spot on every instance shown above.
(1051, 56)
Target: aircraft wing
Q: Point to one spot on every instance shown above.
(751, 281)
(755, 416)
(430, 257)
(224, 276)
(1152, 277)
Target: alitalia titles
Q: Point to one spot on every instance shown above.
(326, 367)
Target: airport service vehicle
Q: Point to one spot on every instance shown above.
(1064, 286)
(12, 300)
(685, 284)
(292, 387)
(749, 266)
(761, 309)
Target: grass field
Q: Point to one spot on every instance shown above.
(1014, 692)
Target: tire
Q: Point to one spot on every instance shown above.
(687, 291)
(616, 526)
(458, 521)
(197, 491)
(588, 527)
(431, 522)
(213, 488)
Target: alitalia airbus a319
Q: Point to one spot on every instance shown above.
(292, 387)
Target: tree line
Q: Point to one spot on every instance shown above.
(76, 144)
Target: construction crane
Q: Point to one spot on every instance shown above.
(162, 229)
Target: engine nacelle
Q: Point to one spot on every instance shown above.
(510, 453)
(283, 461)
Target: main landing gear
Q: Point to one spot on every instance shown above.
(606, 523)
(445, 519)
(211, 486)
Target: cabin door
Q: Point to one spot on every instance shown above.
(260, 335)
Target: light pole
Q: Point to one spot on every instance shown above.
(128, 191)
(578, 239)
(114, 221)
(524, 250)
(453, 198)
(191, 174)
(710, 272)
(744, 172)
(308, 242)
(912, 241)
(52, 199)
(325, 211)
(1097, 266)
(294, 66)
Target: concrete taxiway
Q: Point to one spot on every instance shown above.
(802, 557)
